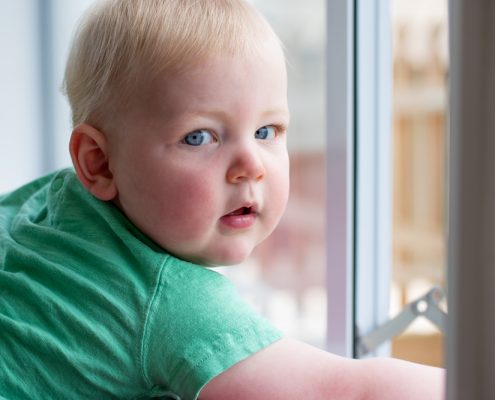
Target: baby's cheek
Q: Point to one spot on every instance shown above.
(192, 208)
(279, 191)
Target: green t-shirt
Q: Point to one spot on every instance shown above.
(90, 308)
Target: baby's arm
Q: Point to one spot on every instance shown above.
(293, 370)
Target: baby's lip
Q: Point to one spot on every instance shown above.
(247, 208)
(243, 217)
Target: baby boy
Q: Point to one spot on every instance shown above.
(180, 162)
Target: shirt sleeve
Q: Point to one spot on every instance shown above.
(198, 327)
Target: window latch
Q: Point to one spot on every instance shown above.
(426, 306)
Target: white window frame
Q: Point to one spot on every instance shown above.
(374, 205)
(340, 177)
(358, 170)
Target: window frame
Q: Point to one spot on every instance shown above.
(374, 158)
(359, 181)
(469, 347)
(340, 122)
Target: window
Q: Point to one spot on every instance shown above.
(401, 69)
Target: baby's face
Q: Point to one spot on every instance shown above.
(202, 168)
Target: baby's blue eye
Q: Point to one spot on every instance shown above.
(265, 132)
(198, 138)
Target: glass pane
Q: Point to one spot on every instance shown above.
(285, 277)
(419, 128)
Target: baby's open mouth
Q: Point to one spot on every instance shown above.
(241, 218)
(241, 211)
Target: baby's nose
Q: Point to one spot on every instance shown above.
(246, 166)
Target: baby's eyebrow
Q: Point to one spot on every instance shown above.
(278, 112)
(282, 115)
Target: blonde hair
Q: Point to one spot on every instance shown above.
(121, 42)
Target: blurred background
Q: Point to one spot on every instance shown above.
(286, 276)
(420, 70)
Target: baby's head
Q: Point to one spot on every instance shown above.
(180, 114)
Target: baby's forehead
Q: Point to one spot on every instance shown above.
(215, 88)
(198, 69)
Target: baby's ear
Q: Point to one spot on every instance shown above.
(89, 152)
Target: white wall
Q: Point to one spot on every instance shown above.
(20, 117)
(35, 118)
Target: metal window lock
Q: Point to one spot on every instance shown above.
(426, 306)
